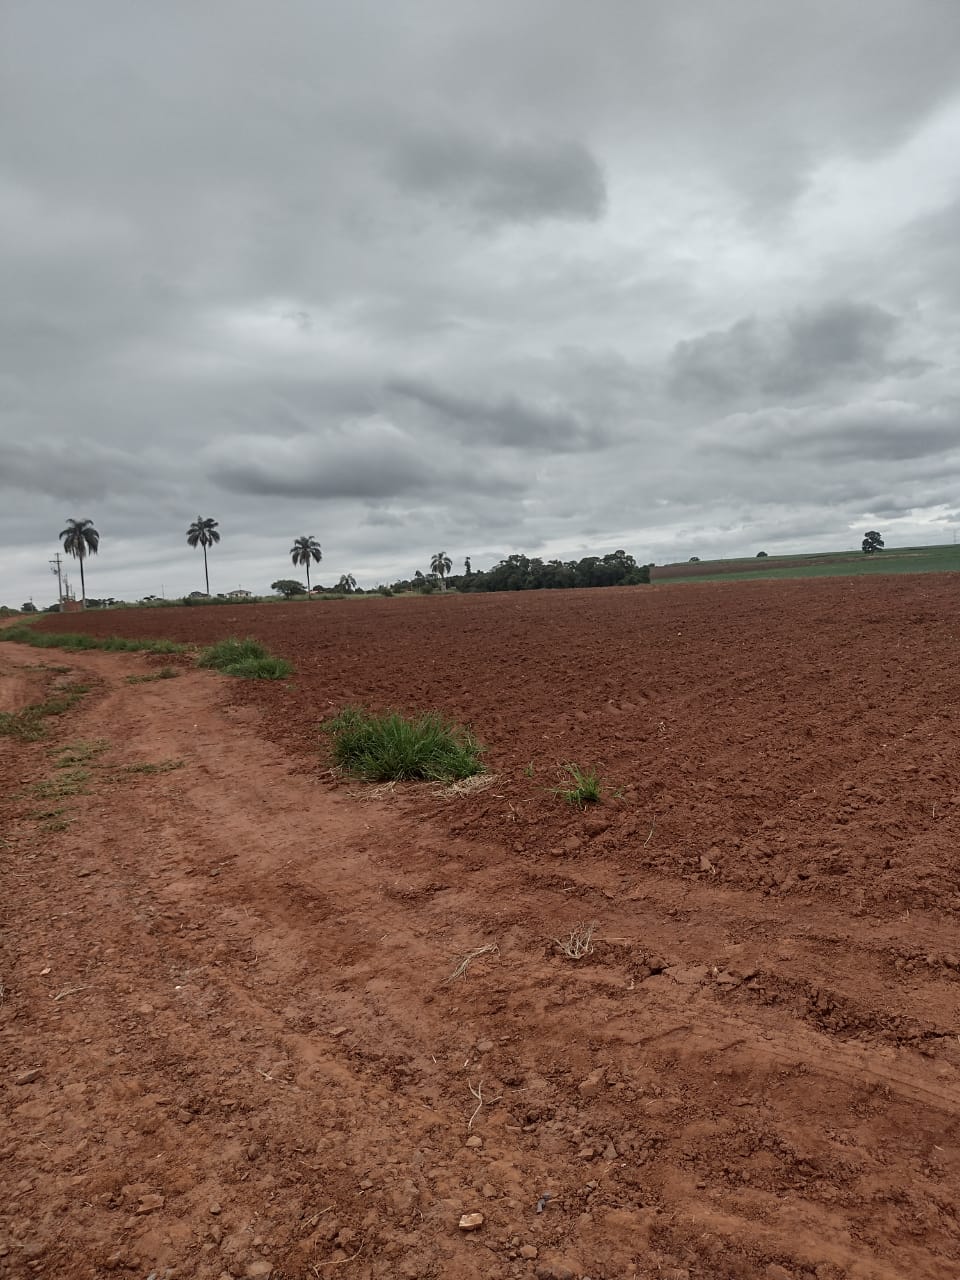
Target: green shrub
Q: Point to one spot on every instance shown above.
(247, 659)
(391, 747)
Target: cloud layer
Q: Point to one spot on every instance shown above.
(490, 278)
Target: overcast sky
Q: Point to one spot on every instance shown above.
(513, 275)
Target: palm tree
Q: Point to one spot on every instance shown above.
(303, 551)
(80, 539)
(347, 583)
(441, 564)
(203, 533)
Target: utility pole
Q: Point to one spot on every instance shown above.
(55, 568)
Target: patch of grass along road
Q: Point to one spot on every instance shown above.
(78, 642)
(27, 724)
(247, 659)
(392, 747)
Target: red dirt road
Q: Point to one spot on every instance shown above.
(245, 1005)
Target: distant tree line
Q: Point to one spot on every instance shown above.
(525, 573)
(515, 573)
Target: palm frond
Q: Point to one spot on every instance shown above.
(305, 549)
(80, 538)
(203, 532)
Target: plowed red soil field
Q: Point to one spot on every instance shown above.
(232, 1042)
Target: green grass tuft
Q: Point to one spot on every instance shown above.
(69, 782)
(247, 659)
(165, 673)
(268, 668)
(227, 653)
(53, 820)
(391, 747)
(582, 788)
(119, 644)
(79, 753)
(164, 766)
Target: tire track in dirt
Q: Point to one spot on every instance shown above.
(253, 1014)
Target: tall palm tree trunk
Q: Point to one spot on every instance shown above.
(308, 579)
(206, 571)
(83, 586)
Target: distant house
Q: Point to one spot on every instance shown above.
(239, 594)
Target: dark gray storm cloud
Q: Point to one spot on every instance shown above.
(511, 179)
(494, 277)
(370, 462)
(505, 420)
(53, 469)
(879, 431)
(790, 355)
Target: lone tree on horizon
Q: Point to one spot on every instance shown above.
(303, 551)
(871, 542)
(203, 533)
(441, 564)
(80, 539)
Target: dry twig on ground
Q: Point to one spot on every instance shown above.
(338, 1262)
(379, 791)
(467, 786)
(578, 942)
(464, 964)
(481, 1101)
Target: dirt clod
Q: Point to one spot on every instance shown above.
(553, 1267)
(591, 1085)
